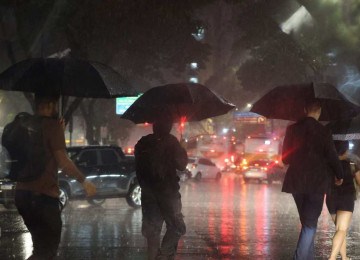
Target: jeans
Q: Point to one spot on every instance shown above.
(158, 207)
(309, 207)
(42, 217)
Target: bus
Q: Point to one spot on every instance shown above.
(260, 148)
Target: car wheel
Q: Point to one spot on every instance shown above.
(133, 198)
(198, 176)
(218, 176)
(96, 202)
(63, 197)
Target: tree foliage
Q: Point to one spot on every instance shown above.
(145, 40)
(303, 55)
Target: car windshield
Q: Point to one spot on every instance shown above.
(191, 160)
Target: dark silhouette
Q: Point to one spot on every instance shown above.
(38, 201)
(158, 156)
(341, 200)
(309, 151)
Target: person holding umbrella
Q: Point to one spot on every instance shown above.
(157, 157)
(340, 201)
(309, 151)
(38, 201)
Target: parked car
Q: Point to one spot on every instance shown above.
(263, 170)
(201, 167)
(107, 167)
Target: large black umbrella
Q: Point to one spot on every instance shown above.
(347, 129)
(193, 101)
(67, 77)
(288, 102)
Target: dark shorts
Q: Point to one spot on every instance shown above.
(340, 202)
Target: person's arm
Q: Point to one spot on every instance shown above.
(357, 177)
(70, 169)
(287, 147)
(181, 158)
(333, 159)
(354, 158)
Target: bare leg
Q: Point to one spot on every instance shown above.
(342, 222)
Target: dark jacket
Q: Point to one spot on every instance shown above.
(157, 159)
(309, 151)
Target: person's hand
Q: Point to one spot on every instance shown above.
(338, 182)
(89, 188)
(182, 143)
(62, 123)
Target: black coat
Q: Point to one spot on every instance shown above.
(313, 162)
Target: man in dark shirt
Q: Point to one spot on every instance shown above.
(38, 201)
(309, 151)
(157, 158)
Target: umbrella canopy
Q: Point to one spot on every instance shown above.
(193, 101)
(66, 77)
(348, 129)
(288, 102)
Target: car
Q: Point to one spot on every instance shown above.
(107, 167)
(203, 168)
(263, 170)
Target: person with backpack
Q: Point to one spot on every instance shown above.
(37, 198)
(157, 157)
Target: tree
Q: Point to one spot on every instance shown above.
(142, 39)
(276, 57)
(305, 54)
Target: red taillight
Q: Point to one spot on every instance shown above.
(129, 150)
(194, 165)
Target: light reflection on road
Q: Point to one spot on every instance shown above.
(225, 220)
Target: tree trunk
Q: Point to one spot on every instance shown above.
(91, 130)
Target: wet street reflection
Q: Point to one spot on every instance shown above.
(225, 219)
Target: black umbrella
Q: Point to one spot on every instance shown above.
(288, 102)
(348, 129)
(66, 77)
(193, 101)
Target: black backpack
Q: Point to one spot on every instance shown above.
(23, 140)
(152, 157)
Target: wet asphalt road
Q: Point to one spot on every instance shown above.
(225, 220)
